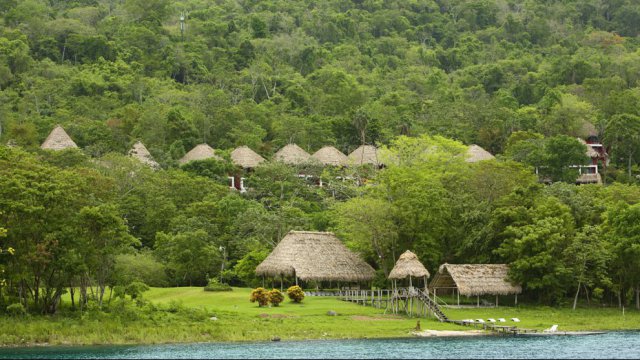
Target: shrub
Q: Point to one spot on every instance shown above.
(135, 289)
(16, 309)
(260, 295)
(275, 297)
(215, 285)
(295, 293)
(142, 266)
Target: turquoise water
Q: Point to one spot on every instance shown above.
(622, 345)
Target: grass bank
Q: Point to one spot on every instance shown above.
(183, 315)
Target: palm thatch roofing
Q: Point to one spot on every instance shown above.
(475, 279)
(200, 152)
(292, 154)
(408, 265)
(329, 155)
(319, 256)
(246, 158)
(140, 153)
(590, 151)
(364, 154)
(475, 153)
(58, 139)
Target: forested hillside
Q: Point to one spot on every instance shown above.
(521, 78)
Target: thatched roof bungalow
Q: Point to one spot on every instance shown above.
(292, 154)
(329, 155)
(58, 139)
(315, 256)
(200, 152)
(140, 153)
(475, 153)
(246, 158)
(408, 265)
(475, 279)
(364, 154)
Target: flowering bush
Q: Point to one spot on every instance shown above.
(295, 293)
(260, 295)
(275, 297)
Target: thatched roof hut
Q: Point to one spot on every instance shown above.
(292, 154)
(200, 152)
(475, 153)
(140, 153)
(591, 152)
(319, 256)
(246, 158)
(475, 279)
(364, 154)
(329, 155)
(408, 265)
(58, 139)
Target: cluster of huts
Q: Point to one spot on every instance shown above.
(247, 159)
(321, 257)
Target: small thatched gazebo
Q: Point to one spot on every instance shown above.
(315, 256)
(292, 154)
(246, 158)
(329, 155)
(58, 139)
(408, 265)
(364, 154)
(200, 152)
(475, 280)
(475, 153)
(140, 153)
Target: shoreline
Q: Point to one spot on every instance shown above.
(428, 333)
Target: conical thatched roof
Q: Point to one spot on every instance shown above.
(140, 152)
(315, 256)
(476, 279)
(329, 155)
(58, 139)
(590, 151)
(246, 158)
(364, 154)
(292, 154)
(475, 153)
(408, 265)
(200, 152)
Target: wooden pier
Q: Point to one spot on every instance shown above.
(407, 299)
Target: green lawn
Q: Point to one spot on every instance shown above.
(183, 315)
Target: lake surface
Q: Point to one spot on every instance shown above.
(622, 345)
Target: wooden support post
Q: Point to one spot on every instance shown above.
(458, 292)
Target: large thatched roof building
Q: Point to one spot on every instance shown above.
(329, 155)
(292, 154)
(475, 153)
(408, 265)
(246, 158)
(318, 256)
(200, 152)
(475, 279)
(140, 153)
(58, 139)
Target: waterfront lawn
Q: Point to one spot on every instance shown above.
(183, 315)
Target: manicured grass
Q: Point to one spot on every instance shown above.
(183, 315)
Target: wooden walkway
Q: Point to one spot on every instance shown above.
(402, 299)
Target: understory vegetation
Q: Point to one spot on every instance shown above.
(421, 79)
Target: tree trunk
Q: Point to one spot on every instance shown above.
(72, 293)
(575, 299)
(637, 290)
